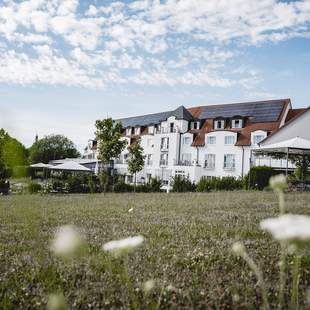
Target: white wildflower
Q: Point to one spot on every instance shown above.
(119, 247)
(278, 182)
(288, 227)
(67, 241)
(130, 210)
(148, 286)
(56, 302)
(238, 248)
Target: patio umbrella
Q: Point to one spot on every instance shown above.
(70, 166)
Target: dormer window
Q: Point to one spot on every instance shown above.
(237, 123)
(219, 124)
(128, 131)
(137, 130)
(195, 125)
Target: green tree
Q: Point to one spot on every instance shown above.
(2, 163)
(110, 145)
(136, 160)
(14, 153)
(52, 147)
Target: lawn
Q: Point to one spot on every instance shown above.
(187, 250)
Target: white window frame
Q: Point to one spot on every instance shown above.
(195, 124)
(137, 130)
(240, 123)
(211, 138)
(186, 159)
(231, 164)
(227, 140)
(128, 131)
(255, 142)
(164, 159)
(164, 144)
(210, 161)
(186, 140)
(221, 122)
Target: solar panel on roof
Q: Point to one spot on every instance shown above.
(144, 120)
(259, 111)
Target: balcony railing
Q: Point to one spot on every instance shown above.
(183, 163)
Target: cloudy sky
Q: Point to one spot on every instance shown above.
(66, 63)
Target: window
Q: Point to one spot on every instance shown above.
(164, 146)
(211, 140)
(128, 131)
(210, 161)
(229, 140)
(229, 161)
(186, 140)
(236, 123)
(151, 130)
(195, 125)
(137, 130)
(186, 159)
(258, 138)
(171, 127)
(126, 157)
(219, 124)
(149, 161)
(157, 128)
(163, 159)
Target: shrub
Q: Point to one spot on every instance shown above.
(4, 187)
(181, 184)
(154, 185)
(21, 172)
(219, 184)
(259, 177)
(122, 187)
(34, 187)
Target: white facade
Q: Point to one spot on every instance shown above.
(170, 150)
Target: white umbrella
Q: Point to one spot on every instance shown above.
(70, 166)
(40, 165)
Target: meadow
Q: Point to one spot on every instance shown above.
(187, 250)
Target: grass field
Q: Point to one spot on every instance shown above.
(187, 250)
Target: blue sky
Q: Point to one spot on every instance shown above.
(66, 63)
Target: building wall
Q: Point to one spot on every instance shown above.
(296, 128)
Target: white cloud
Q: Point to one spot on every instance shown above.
(144, 42)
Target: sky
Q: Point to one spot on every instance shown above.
(66, 63)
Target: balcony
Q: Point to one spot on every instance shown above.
(183, 163)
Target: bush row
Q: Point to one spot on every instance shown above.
(258, 178)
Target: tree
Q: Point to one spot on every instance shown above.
(52, 147)
(110, 145)
(136, 160)
(14, 153)
(2, 163)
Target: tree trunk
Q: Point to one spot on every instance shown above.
(134, 188)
